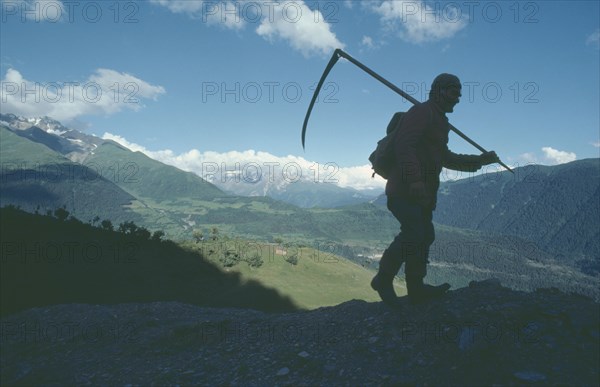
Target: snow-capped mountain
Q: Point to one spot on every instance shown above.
(293, 184)
(291, 181)
(69, 142)
(305, 193)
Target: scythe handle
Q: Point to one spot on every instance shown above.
(377, 76)
(340, 53)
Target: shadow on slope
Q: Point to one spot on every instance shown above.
(47, 261)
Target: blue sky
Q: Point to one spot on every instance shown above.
(191, 81)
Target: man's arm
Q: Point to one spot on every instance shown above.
(468, 163)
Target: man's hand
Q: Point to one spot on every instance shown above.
(487, 158)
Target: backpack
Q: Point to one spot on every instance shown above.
(382, 158)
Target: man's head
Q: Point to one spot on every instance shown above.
(445, 91)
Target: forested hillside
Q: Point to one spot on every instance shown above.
(556, 207)
(538, 226)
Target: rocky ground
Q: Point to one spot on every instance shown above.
(484, 334)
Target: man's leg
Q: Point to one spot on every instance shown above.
(411, 227)
(416, 266)
(383, 282)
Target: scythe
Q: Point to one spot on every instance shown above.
(340, 53)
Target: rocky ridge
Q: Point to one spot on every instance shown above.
(483, 334)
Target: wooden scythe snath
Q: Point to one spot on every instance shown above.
(340, 53)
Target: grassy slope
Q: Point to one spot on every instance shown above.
(22, 152)
(46, 261)
(319, 279)
(144, 177)
(35, 176)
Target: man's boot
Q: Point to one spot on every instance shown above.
(383, 282)
(418, 292)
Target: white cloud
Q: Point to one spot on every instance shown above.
(213, 165)
(348, 4)
(594, 39)
(130, 145)
(528, 158)
(367, 41)
(305, 30)
(230, 14)
(555, 156)
(549, 156)
(104, 92)
(129, 86)
(420, 22)
(190, 7)
(359, 178)
(596, 144)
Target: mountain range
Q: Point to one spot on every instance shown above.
(37, 178)
(535, 228)
(79, 147)
(305, 193)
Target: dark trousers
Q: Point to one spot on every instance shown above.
(411, 245)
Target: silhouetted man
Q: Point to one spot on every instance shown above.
(421, 149)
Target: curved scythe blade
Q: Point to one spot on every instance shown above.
(332, 62)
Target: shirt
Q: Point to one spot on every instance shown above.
(421, 150)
